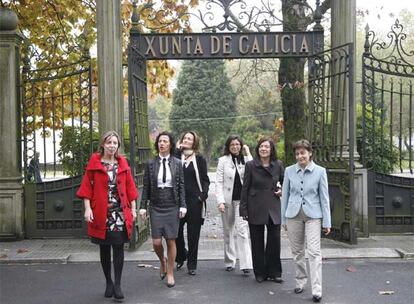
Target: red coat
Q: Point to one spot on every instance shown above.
(94, 186)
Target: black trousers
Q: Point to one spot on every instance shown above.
(194, 221)
(266, 259)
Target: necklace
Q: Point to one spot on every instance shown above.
(111, 162)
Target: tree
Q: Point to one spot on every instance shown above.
(61, 31)
(203, 92)
(297, 15)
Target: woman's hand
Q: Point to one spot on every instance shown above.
(221, 207)
(134, 214)
(246, 150)
(246, 218)
(183, 212)
(326, 230)
(88, 215)
(143, 214)
(278, 193)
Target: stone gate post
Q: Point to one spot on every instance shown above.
(110, 88)
(11, 187)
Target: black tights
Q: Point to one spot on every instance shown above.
(118, 253)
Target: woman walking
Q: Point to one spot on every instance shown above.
(260, 206)
(229, 181)
(305, 208)
(196, 183)
(164, 189)
(109, 193)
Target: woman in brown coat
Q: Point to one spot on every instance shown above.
(260, 206)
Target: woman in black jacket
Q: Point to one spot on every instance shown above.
(260, 206)
(196, 183)
(164, 189)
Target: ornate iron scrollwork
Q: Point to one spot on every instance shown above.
(392, 51)
(237, 16)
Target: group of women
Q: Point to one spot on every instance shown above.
(252, 194)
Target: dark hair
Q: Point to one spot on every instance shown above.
(303, 143)
(104, 138)
(170, 137)
(196, 143)
(229, 140)
(273, 155)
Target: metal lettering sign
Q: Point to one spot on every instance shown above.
(228, 45)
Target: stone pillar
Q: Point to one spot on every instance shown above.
(110, 89)
(343, 30)
(11, 187)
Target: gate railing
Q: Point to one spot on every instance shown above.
(57, 124)
(329, 91)
(331, 131)
(386, 141)
(57, 133)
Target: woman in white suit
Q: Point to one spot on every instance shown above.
(229, 181)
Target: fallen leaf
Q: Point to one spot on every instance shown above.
(22, 250)
(387, 282)
(386, 292)
(3, 256)
(271, 293)
(351, 269)
(144, 266)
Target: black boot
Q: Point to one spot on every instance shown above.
(118, 295)
(109, 291)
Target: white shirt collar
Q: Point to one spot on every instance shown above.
(162, 157)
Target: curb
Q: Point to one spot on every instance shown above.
(404, 254)
(327, 254)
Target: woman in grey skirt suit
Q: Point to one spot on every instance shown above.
(164, 189)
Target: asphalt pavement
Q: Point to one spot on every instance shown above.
(344, 281)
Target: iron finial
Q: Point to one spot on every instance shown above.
(134, 17)
(317, 17)
(366, 44)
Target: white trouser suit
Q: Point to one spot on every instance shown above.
(236, 230)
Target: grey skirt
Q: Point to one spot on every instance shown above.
(164, 215)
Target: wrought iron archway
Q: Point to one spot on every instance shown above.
(329, 87)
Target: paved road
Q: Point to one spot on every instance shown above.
(83, 283)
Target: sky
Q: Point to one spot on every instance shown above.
(383, 8)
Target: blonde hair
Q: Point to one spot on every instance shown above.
(105, 137)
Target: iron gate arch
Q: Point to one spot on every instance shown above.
(325, 68)
(387, 138)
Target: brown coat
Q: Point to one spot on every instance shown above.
(258, 201)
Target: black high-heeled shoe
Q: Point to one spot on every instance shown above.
(109, 291)
(179, 265)
(118, 295)
(164, 274)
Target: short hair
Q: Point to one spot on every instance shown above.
(229, 140)
(196, 143)
(273, 155)
(170, 137)
(105, 137)
(303, 143)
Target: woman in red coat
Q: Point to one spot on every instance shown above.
(109, 193)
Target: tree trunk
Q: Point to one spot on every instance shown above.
(293, 104)
(291, 71)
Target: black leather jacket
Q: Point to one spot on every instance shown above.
(150, 192)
